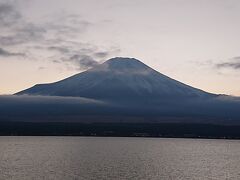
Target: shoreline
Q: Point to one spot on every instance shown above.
(144, 130)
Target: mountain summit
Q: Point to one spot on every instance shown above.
(119, 79)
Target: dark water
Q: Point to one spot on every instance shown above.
(64, 158)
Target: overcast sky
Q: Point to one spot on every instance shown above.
(196, 42)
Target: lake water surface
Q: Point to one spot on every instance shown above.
(64, 158)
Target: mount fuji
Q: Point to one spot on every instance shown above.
(119, 79)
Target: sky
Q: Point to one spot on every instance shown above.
(195, 42)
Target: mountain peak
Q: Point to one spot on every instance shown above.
(121, 63)
(122, 60)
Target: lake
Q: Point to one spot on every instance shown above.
(64, 158)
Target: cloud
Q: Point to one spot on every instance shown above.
(46, 108)
(84, 61)
(58, 35)
(6, 53)
(8, 14)
(25, 34)
(26, 99)
(81, 55)
(68, 25)
(236, 58)
(15, 29)
(61, 49)
(233, 64)
(101, 54)
(41, 68)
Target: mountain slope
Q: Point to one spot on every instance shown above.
(119, 79)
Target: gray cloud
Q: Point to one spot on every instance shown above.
(68, 25)
(27, 33)
(41, 68)
(61, 49)
(8, 14)
(101, 54)
(236, 58)
(54, 35)
(234, 63)
(15, 30)
(19, 31)
(6, 53)
(84, 61)
(81, 55)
